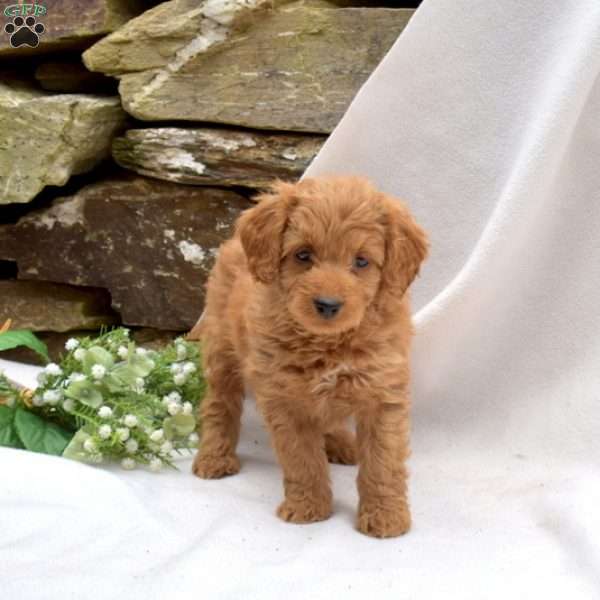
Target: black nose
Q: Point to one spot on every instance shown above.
(327, 307)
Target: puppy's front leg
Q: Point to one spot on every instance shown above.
(300, 448)
(383, 447)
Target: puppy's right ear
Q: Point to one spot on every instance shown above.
(261, 228)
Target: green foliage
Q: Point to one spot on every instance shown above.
(14, 339)
(109, 400)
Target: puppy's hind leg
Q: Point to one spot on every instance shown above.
(220, 414)
(340, 445)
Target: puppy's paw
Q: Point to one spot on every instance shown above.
(208, 466)
(383, 519)
(341, 447)
(304, 511)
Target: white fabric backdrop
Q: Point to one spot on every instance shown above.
(485, 117)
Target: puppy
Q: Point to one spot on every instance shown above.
(307, 306)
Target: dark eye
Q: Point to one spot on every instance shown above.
(304, 256)
(360, 262)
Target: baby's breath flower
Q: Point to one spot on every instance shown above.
(79, 354)
(105, 412)
(174, 397)
(193, 438)
(128, 464)
(141, 351)
(130, 420)
(89, 446)
(176, 368)
(157, 436)
(71, 344)
(189, 367)
(52, 397)
(155, 464)
(174, 408)
(181, 351)
(122, 352)
(140, 384)
(75, 377)
(53, 369)
(131, 446)
(166, 447)
(187, 408)
(179, 379)
(68, 405)
(37, 400)
(104, 431)
(42, 378)
(98, 372)
(123, 433)
(166, 401)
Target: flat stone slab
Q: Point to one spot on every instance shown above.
(43, 306)
(46, 138)
(150, 243)
(61, 24)
(295, 67)
(211, 156)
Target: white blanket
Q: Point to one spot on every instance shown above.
(485, 117)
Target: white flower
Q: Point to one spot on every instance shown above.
(52, 397)
(189, 368)
(176, 368)
(193, 439)
(123, 433)
(130, 420)
(166, 401)
(128, 464)
(131, 446)
(89, 446)
(105, 412)
(79, 354)
(187, 408)
(38, 401)
(174, 408)
(140, 385)
(157, 436)
(42, 378)
(104, 431)
(174, 397)
(166, 447)
(53, 369)
(71, 344)
(122, 352)
(141, 351)
(155, 464)
(68, 405)
(75, 377)
(98, 372)
(181, 352)
(179, 379)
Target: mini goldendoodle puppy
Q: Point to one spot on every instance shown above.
(307, 306)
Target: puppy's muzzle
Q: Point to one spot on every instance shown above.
(327, 307)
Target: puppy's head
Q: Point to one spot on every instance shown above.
(334, 247)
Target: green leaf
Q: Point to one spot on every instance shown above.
(75, 450)
(141, 365)
(97, 356)
(8, 433)
(14, 339)
(179, 426)
(85, 392)
(38, 435)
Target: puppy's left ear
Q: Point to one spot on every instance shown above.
(261, 228)
(406, 247)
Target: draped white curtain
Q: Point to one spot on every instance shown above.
(485, 118)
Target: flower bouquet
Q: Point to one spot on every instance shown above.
(109, 400)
